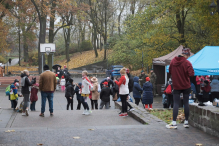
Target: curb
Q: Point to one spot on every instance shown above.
(141, 115)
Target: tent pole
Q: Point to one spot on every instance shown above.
(165, 75)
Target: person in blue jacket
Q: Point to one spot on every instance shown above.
(137, 90)
(147, 94)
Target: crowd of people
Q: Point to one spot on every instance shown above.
(89, 89)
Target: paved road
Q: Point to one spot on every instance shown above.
(107, 128)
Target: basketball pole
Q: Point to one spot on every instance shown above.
(42, 62)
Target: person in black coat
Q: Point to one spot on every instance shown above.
(105, 96)
(69, 93)
(108, 80)
(147, 94)
(169, 95)
(79, 97)
(59, 72)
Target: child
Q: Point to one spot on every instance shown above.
(137, 90)
(206, 89)
(62, 83)
(105, 96)
(57, 80)
(78, 93)
(69, 93)
(33, 96)
(85, 91)
(14, 94)
(147, 94)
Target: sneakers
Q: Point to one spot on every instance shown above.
(123, 115)
(171, 126)
(132, 109)
(23, 114)
(87, 113)
(150, 109)
(90, 111)
(186, 124)
(84, 112)
(41, 115)
(27, 113)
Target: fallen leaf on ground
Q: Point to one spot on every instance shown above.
(76, 137)
(91, 129)
(10, 131)
(39, 144)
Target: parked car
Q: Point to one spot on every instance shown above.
(114, 71)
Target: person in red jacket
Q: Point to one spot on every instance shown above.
(33, 96)
(181, 70)
(199, 80)
(206, 89)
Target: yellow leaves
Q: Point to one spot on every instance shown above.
(20, 68)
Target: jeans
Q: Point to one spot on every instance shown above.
(26, 101)
(176, 98)
(94, 103)
(79, 104)
(32, 106)
(86, 107)
(102, 103)
(49, 96)
(14, 103)
(124, 102)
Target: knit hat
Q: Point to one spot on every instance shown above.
(105, 83)
(127, 71)
(142, 71)
(56, 75)
(186, 51)
(71, 81)
(123, 71)
(147, 79)
(63, 77)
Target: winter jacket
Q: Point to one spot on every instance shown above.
(142, 79)
(95, 93)
(199, 80)
(85, 86)
(66, 74)
(181, 70)
(13, 93)
(33, 95)
(78, 92)
(62, 82)
(47, 81)
(69, 92)
(115, 92)
(147, 93)
(169, 83)
(25, 83)
(214, 85)
(131, 83)
(109, 83)
(123, 85)
(193, 88)
(153, 78)
(137, 90)
(105, 94)
(60, 73)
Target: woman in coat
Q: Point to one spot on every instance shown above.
(95, 93)
(137, 90)
(147, 94)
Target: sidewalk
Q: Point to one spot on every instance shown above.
(102, 128)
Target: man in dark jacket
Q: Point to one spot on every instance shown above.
(142, 78)
(181, 70)
(59, 72)
(108, 80)
(105, 96)
(69, 93)
(67, 75)
(153, 81)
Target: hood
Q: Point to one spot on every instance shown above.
(215, 82)
(79, 84)
(136, 79)
(178, 61)
(147, 84)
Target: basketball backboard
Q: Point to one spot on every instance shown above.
(47, 47)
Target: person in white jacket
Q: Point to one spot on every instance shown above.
(62, 83)
(85, 91)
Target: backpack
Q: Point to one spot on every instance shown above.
(169, 89)
(8, 90)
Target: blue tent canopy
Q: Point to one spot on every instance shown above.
(205, 62)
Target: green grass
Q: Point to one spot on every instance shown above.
(166, 115)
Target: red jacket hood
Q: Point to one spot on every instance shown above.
(178, 61)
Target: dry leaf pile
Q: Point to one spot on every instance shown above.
(21, 68)
(86, 58)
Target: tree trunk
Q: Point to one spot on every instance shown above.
(98, 46)
(180, 26)
(25, 46)
(105, 36)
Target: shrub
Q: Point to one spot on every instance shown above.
(33, 58)
(2, 59)
(86, 46)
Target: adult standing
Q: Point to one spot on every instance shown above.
(153, 79)
(123, 90)
(142, 78)
(9, 60)
(59, 72)
(130, 85)
(110, 82)
(214, 88)
(47, 86)
(25, 90)
(181, 70)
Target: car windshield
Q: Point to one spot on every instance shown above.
(117, 69)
